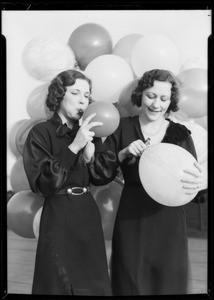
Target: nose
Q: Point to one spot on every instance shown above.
(156, 102)
(82, 99)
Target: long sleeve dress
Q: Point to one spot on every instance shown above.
(70, 256)
(149, 245)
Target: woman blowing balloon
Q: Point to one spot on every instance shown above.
(71, 257)
(149, 246)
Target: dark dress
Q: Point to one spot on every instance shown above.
(149, 246)
(71, 257)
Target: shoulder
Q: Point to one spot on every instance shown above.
(43, 129)
(177, 131)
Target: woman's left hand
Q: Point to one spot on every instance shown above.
(88, 151)
(198, 181)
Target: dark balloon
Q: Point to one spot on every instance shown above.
(106, 113)
(89, 41)
(21, 210)
(107, 198)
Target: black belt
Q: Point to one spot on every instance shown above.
(75, 190)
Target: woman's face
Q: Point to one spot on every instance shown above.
(155, 101)
(75, 101)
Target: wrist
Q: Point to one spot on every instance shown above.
(74, 148)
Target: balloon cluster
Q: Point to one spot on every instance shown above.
(114, 72)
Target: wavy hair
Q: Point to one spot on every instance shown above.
(57, 88)
(147, 81)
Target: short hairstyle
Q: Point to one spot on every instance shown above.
(57, 88)
(147, 81)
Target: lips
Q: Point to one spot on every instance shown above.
(154, 111)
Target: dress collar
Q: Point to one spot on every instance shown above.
(63, 129)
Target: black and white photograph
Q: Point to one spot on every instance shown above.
(107, 152)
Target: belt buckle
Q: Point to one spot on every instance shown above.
(72, 190)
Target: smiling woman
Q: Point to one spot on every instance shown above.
(149, 245)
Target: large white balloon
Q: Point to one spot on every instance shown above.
(154, 51)
(44, 57)
(161, 170)
(109, 74)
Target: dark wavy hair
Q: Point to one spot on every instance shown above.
(57, 88)
(147, 81)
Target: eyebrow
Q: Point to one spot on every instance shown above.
(156, 94)
(79, 91)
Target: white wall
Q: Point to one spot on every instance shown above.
(187, 29)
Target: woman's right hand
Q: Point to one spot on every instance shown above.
(84, 134)
(135, 149)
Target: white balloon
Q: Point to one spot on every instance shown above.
(44, 57)
(154, 51)
(109, 74)
(161, 170)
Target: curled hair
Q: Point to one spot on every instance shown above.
(57, 88)
(147, 81)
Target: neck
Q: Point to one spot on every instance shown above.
(65, 120)
(149, 124)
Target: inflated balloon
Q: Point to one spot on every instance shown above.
(106, 113)
(154, 51)
(12, 138)
(23, 131)
(36, 222)
(200, 139)
(18, 177)
(44, 57)
(125, 106)
(109, 74)
(193, 94)
(21, 210)
(124, 46)
(194, 62)
(89, 41)
(36, 103)
(107, 198)
(194, 79)
(193, 103)
(161, 170)
(201, 121)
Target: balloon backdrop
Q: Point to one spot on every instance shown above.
(21, 210)
(12, 138)
(201, 121)
(124, 46)
(89, 41)
(194, 79)
(45, 56)
(124, 104)
(106, 113)
(161, 170)
(18, 177)
(193, 94)
(36, 222)
(109, 74)
(107, 198)
(36, 103)
(154, 51)
(23, 131)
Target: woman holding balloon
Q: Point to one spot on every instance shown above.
(70, 257)
(149, 245)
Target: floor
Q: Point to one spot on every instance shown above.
(21, 255)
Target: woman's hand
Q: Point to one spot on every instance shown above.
(198, 181)
(135, 149)
(84, 135)
(88, 152)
